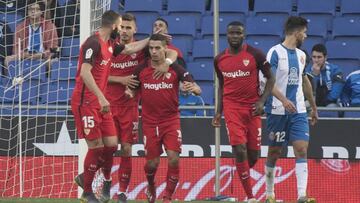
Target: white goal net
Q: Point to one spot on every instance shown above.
(39, 51)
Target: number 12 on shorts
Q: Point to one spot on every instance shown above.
(88, 121)
(280, 136)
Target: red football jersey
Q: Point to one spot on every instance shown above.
(123, 65)
(240, 75)
(98, 53)
(160, 97)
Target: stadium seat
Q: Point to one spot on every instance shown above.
(235, 8)
(352, 114)
(182, 27)
(183, 45)
(203, 49)
(26, 66)
(264, 44)
(350, 8)
(63, 69)
(207, 25)
(59, 92)
(321, 9)
(70, 47)
(264, 26)
(274, 7)
(11, 19)
(343, 50)
(344, 54)
(190, 8)
(345, 28)
(317, 28)
(310, 42)
(144, 24)
(207, 92)
(114, 5)
(201, 71)
(32, 90)
(145, 6)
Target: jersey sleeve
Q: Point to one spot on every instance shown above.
(91, 49)
(182, 74)
(118, 48)
(260, 58)
(217, 70)
(272, 58)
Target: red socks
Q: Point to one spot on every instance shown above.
(91, 165)
(124, 173)
(107, 156)
(172, 179)
(150, 174)
(243, 170)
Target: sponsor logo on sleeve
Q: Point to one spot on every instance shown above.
(89, 53)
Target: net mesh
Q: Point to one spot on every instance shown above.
(39, 50)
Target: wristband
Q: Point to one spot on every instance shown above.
(168, 61)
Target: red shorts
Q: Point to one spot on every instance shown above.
(167, 134)
(91, 124)
(126, 121)
(243, 128)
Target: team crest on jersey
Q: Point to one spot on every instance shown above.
(302, 60)
(168, 75)
(246, 62)
(133, 56)
(87, 131)
(110, 49)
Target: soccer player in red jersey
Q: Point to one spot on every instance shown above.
(125, 110)
(160, 115)
(90, 107)
(237, 69)
(161, 26)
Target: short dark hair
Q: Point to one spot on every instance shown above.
(158, 37)
(319, 48)
(109, 18)
(128, 17)
(163, 20)
(40, 3)
(235, 23)
(294, 23)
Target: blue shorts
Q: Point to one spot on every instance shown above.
(283, 129)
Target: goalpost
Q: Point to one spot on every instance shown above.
(38, 145)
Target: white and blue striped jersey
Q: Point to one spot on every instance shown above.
(287, 66)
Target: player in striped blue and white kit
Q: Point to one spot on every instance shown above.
(286, 113)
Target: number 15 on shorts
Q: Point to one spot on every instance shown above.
(88, 121)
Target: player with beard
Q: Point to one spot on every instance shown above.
(161, 26)
(237, 69)
(125, 110)
(160, 115)
(286, 112)
(90, 107)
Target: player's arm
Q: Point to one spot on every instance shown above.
(264, 66)
(216, 121)
(337, 85)
(91, 51)
(171, 56)
(308, 93)
(346, 93)
(130, 90)
(188, 81)
(129, 81)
